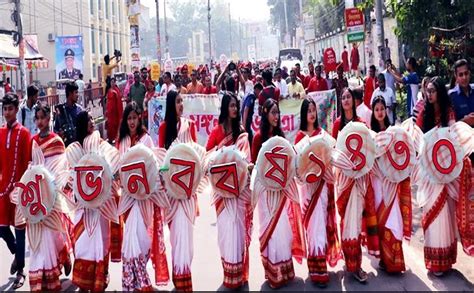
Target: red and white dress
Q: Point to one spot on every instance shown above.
(319, 220)
(48, 258)
(443, 176)
(234, 216)
(92, 218)
(281, 230)
(355, 196)
(138, 227)
(181, 215)
(390, 178)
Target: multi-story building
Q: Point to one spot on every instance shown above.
(103, 24)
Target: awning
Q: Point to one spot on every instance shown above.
(4, 66)
(8, 51)
(31, 48)
(33, 58)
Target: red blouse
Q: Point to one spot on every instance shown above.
(301, 134)
(162, 133)
(256, 145)
(420, 119)
(217, 135)
(337, 124)
(209, 90)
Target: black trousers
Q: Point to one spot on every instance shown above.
(16, 246)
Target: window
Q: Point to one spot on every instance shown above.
(91, 4)
(115, 41)
(101, 47)
(94, 70)
(113, 7)
(107, 35)
(92, 39)
(120, 40)
(106, 9)
(100, 5)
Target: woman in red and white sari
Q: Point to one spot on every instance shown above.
(53, 252)
(138, 231)
(93, 161)
(281, 231)
(319, 210)
(234, 215)
(181, 216)
(391, 197)
(439, 220)
(355, 198)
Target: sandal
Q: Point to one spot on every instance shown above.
(13, 268)
(19, 281)
(361, 276)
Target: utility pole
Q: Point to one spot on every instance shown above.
(158, 37)
(166, 32)
(21, 46)
(77, 11)
(209, 30)
(240, 39)
(54, 18)
(286, 23)
(62, 22)
(230, 33)
(379, 28)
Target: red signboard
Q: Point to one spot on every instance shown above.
(329, 60)
(354, 25)
(354, 17)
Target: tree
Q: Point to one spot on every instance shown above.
(277, 16)
(328, 15)
(415, 18)
(186, 17)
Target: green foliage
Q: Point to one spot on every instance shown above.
(277, 16)
(416, 17)
(328, 15)
(401, 109)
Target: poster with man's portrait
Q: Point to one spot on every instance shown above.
(69, 57)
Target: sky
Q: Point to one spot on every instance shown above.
(259, 10)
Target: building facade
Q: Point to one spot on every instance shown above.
(103, 24)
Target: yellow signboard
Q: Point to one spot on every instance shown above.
(155, 70)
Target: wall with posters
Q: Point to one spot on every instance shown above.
(69, 57)
(204, 111)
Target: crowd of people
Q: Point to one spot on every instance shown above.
(282, 233)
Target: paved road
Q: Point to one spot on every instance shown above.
(207, 270)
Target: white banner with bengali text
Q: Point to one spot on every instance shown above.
(204, 111)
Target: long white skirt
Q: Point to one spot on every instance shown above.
(440, 238)
(279, 245)
(181, 237)
(135, 251)
(45, 261)
(231, 231)
(316, 231)
(91, 254)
